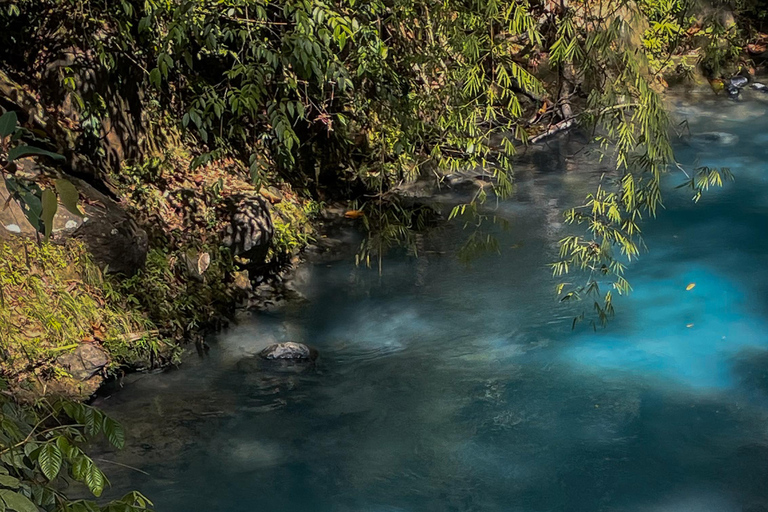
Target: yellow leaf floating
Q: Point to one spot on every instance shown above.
(689, 326)
(690, 287)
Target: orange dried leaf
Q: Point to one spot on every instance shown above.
(353, 214)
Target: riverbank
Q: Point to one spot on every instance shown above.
(72, 323)
(160, 261)
(198, 189)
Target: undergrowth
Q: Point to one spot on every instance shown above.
(54, 298)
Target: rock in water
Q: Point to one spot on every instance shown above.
(738, 82)
(85, 361)
(733, 92)
(289, 351)
(760, 87)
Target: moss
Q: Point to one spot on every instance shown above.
(54, 298)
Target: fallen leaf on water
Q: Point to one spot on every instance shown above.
(353, 214)
(689, 326)
(690, 287)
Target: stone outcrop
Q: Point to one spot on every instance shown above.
(87, 361)
(115, 240)
(249, 228)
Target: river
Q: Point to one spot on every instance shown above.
(447, 387)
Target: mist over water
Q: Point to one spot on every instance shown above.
(442, 387)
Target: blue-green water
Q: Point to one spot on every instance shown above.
(446, 388)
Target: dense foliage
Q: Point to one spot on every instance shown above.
(41, 449)
(349, 99)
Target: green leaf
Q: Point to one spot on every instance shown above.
(9, 481)
(22, 151)
(95, 479)
(50, 205)
(114, 432)
(15, 501)
(69, 196)
(28, 196)
(50, 459)
(80, 465)
(29, 448)
(8, 123)
(93, 420)
(155, 78)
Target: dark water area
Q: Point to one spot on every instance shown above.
(442, 387)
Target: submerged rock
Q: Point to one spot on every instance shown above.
(289, 351)
(733, 92)
(760, 87)
(468, 179)
(715, 138)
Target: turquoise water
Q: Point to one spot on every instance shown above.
(446, 388)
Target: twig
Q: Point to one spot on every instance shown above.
(124, 466)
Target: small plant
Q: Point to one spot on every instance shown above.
(293, 226)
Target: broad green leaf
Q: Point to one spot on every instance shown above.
(155, 78)
(64, 445)
(29, 448)
(23, 151)
(8, 123)
(95, 479)
(114, 432)
(50, 460)
(9, 481)
(28, 196)
(18, 502)
(69, 196)
(50, 205)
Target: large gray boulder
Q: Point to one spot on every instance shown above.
(114, 239)
(249, 229)
(86, 361)
(116, 242)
